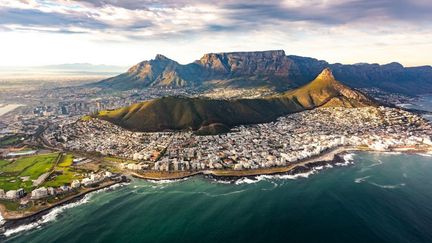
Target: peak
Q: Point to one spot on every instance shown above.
(326, 74)
(393, 65)
(161, 57)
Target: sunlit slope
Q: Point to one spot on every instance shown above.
(179, 113)
(324, 90)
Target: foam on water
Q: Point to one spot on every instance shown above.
(361, 179)
(392, 153)
(167, 181)
(272, 177)
(379, 162)
(319, 167)
(2, 221)
(348, 158)
(53, 213)
(51, 216)
(388, 186)
(425, 154)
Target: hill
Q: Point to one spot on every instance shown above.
(211, 116)
(271, 69)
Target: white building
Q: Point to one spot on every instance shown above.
(75, 184)
(15, 194)
(39, 193)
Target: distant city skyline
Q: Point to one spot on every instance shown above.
(111, 32)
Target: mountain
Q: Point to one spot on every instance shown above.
(236, 69)
(212, 116)
(271, 69)
(324, 90)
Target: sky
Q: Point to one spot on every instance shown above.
(125, 32)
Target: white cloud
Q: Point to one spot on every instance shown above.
(126, 32)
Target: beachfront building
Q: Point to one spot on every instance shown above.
(75, 184)
(39, 193)
(15, 194)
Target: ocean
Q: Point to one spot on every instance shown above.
(423, 102)
(377, 197)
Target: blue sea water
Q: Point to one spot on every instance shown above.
(424, 103)
(378, 198)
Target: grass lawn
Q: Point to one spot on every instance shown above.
(32, 166)
(68, 174)
(66, 178)
(29, 166)
(66, 160)
(14, 183)
(3, 162)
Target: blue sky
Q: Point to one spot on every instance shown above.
(40, 32)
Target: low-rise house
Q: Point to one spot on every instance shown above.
(75, 184)
(15, 194)
(39, 193)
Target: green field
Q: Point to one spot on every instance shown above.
(66, 177)
(10, 140)
(21, 172)
(66, 160)
(64, 173)
(3, 162)
(32, 166)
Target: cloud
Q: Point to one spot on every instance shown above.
(196, 26)
(162, 18)
(26, 18)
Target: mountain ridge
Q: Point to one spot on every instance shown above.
(272, 69)
(201, 114)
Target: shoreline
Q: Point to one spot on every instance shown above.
(328, 157)
(17, 219)
(331, 157)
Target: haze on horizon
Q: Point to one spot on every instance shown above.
(42, 32)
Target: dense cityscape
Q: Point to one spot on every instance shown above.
(292, 138)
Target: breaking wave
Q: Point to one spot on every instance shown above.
(348, 158)
(51, 216)
(55, 212)
(425, 154)
(272, 177)
(167, 181)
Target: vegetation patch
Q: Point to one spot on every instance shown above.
(3, 162)
(66, 160)
(64, 174)
(10, 140)
(14, 173)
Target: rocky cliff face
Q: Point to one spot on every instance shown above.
(268, 68)
(247, 63)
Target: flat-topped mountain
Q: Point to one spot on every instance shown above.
(271, 69)
(212, 116)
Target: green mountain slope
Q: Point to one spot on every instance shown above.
(179, 113)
